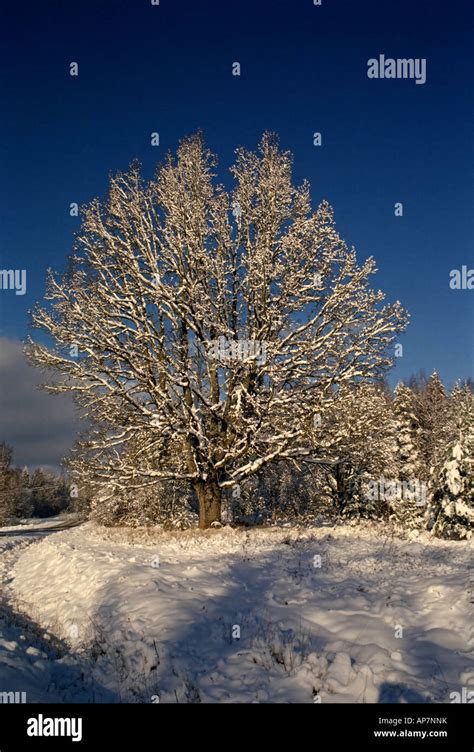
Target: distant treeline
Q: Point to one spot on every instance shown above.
(40, 493)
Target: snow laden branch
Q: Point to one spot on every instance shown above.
(210, 326)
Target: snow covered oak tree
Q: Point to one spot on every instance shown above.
(164, 269)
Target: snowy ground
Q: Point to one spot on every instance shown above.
(158, 617)
(33, 660)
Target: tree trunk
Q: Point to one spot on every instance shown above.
(210, 500)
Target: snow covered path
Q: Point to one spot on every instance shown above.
(43, 527)
(345, 614)
(32, 661)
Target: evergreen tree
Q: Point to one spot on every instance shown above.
(23, 502)
(408, 433)
(434, 422)
(6, 490)
(407, 505)
(451, 509)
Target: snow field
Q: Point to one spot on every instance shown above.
(249, 616)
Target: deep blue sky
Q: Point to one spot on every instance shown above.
(303, 69)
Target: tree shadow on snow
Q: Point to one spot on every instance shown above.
(398, 693)
(65, 673)
(274, 628)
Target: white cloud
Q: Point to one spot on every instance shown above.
(40, 427)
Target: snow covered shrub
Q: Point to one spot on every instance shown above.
(275, 647)
(280, 491)
(357, 430)
(166, 503)
(248, 509)
(398, 501)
